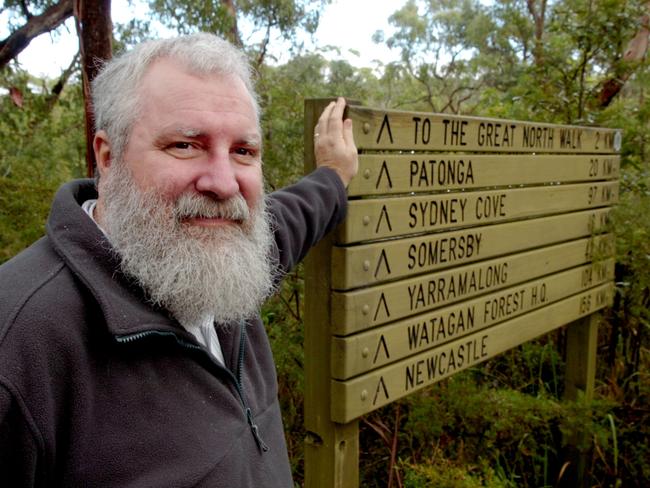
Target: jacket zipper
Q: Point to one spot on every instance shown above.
(239, 383)
(237, 380)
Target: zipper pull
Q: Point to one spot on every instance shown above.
(256, 431)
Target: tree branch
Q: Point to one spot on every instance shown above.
(25, 10)
(35, 26)
(634, 52)
(233, 34)
(263, 47)
(63, 79)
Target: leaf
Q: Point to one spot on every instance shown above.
(16, 96)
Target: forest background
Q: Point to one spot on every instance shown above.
(503, 424)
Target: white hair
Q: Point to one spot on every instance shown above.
(115, 89)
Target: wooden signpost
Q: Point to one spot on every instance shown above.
(465, 237)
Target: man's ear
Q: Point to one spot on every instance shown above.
(102, 149)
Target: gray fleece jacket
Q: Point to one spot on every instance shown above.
(99, 389)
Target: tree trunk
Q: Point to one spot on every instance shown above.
(49, 20)
(233, 33)
(539, 18)
(94, 28)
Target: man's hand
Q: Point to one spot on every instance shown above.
(334, 143)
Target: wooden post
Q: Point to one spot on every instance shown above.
(331, 449)
(582, 341)
(580, 376)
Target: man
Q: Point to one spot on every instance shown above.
(131, 350)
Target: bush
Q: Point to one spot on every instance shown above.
(23, 211)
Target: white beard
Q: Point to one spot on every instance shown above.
(194, 272)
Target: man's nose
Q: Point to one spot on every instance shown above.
(218, 176)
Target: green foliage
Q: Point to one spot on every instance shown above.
(130, 34)
(632, 227)
(495, 436)
(23, 210)
(282, 19)
(518, 433)
(42, 140)
(435, 45)
(43, 146)
(282, 316)
(479, 429)
(535, 368)
(584, 45)
(440, 472)
(188, 17)
(283, 90)
(470, 58)
(629, 320)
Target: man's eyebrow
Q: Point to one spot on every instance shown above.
(253, 140)
(169, 134)
(184, 132)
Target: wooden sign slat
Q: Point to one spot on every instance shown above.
(391, 217)
(358, 310)
(418, 131)
(381, 174)
(368, 264)
(359, 353)
(353, 398)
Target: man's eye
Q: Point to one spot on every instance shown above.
(244, 151)
(183, 149)
(181, 145)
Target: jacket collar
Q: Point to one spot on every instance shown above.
(91, 258)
